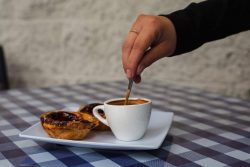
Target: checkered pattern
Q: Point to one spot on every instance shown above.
(208, 129)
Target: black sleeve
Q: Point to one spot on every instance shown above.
(209, 20)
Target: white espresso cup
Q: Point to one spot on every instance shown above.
(127, 122)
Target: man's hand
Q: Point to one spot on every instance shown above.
(150, 39)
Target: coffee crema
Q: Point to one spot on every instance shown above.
(130, 102)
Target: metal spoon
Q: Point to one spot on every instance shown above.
(130, 84)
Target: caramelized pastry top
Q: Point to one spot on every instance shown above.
(89, 108)
(61, 118)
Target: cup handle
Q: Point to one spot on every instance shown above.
(98, 116)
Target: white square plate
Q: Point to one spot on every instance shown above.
(158, 128)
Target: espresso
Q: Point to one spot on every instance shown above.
(130, 102)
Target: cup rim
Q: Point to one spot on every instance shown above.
(133, 98)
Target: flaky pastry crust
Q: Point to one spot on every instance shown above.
(88, 110)
(67, 125)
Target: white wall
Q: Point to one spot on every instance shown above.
(51, 42)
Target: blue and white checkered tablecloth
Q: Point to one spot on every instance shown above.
(208, 129)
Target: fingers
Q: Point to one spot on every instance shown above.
(142, 42)
(156, 33)
(126, 49)
(129, 41)
(152, 55)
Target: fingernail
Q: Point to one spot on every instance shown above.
(129, 74)
(137, 79)
(139, 70)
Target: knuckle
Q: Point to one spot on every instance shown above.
(154, 21)
(141, 17)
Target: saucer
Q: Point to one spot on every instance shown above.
(159, 125)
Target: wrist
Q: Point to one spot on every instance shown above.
(169, 34)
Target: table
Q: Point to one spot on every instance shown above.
(208, 129)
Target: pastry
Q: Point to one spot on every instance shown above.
(67, 125)
(88, 110)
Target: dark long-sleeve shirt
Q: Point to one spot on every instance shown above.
(209, 20)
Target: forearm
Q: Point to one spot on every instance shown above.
(209, 20)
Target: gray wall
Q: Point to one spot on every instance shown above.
(51, 42)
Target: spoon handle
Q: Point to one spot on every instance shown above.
(130, 84)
